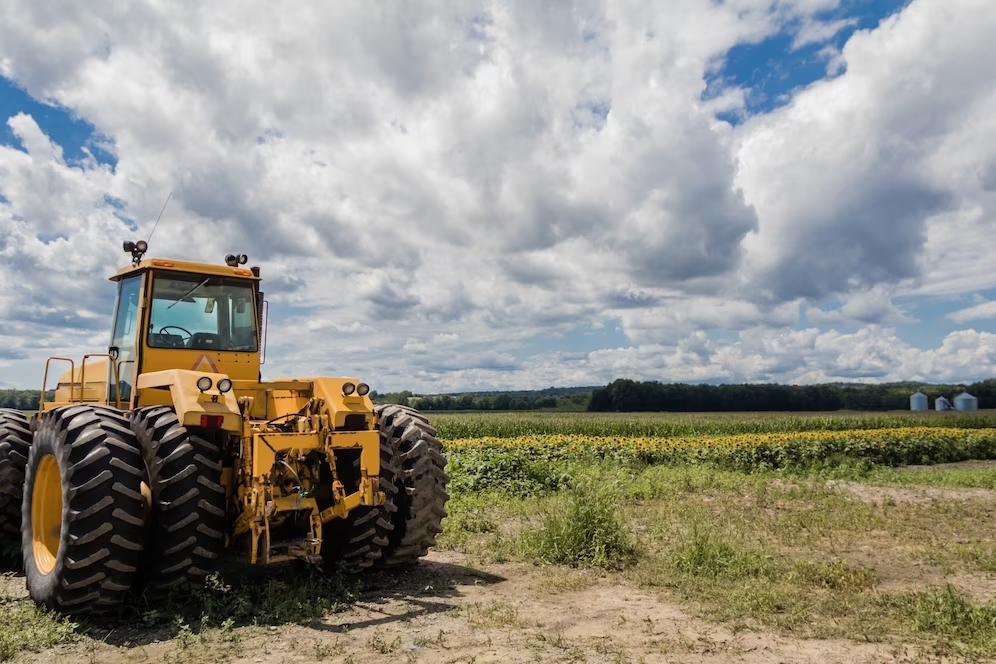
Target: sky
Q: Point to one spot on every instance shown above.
(471, 195)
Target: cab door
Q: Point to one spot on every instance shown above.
(124, 341)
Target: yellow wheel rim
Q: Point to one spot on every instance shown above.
(46, 513)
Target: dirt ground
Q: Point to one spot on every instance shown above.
(453, 610)
(448, 611)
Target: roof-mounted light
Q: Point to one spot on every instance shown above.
(234, 260)
(136, 249)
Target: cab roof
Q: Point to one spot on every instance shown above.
(172, 265)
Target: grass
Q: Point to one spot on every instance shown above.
(773, 550)
(586, 529)
(25, 627)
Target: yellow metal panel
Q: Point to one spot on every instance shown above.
(185, 266)
(189, 402)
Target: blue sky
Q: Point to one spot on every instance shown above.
(505, 196)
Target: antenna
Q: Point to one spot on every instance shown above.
(160, 216)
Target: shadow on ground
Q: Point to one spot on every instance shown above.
(243, 595)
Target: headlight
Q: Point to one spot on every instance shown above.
(362, 389)
(224, 385)
(347, 389)
(204, 383)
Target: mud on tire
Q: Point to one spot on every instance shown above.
(187, 525)
(421, 484)
(15, 440)
(91, 476)
(355, 543)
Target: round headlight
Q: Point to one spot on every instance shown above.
(204, 383)
(141, 246)
(224, 385)
(347, 389)
(362, 389)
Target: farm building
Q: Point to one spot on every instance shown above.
(942, 403)
(918, 401)
(966, 401)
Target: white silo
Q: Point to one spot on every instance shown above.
(918, 401)
(966, 401)
(942, 403)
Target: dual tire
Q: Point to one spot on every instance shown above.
(112, 504)
(413, 479)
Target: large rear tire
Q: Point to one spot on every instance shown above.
(421, 496)
(83, 512)
(355, 543)
(187, 528)
(15, 441)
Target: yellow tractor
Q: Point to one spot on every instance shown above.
(162, 452)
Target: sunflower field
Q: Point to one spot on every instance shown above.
(547, 457)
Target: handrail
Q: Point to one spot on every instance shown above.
(117, 377)
(72, 370)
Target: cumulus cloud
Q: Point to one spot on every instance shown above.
(430, 189)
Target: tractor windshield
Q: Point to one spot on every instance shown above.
(202, 313)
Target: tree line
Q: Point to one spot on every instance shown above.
(575, 399)
(22, 399)
(625, 395)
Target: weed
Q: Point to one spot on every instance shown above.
(378, 644)
(958, 623)
(834, 575)
(707, 554)
(585, 531)
(26, 627)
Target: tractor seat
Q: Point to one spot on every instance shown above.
(205, 341)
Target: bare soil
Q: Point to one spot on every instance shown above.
(449, 611)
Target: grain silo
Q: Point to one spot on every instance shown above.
(966, 401)
(942, 403)
(918, 401)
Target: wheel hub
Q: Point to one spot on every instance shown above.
(46, 513)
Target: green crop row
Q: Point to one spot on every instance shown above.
(454, 426)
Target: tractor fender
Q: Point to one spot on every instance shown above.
(190, 403)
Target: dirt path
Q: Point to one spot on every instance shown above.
(448, 611)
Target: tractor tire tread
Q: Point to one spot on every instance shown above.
(188, 500)
(98, 457)
(421, 506)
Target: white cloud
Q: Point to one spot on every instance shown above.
(817, 32)
(979, 311)
(428, 190)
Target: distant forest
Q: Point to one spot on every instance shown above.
(22, 399)
(631, 396)
(625, 395)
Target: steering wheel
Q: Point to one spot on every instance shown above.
(177, 327)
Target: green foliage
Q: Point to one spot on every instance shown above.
(570, 398)
(707, 554)
(586, 530)
(25, 627)
(835, 575)
(291, 594)
(455, 426)
(946, 614)
(625, 395)
(515, 472)
(22, 399)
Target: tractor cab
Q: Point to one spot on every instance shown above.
(179, 315)
(172, 314)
